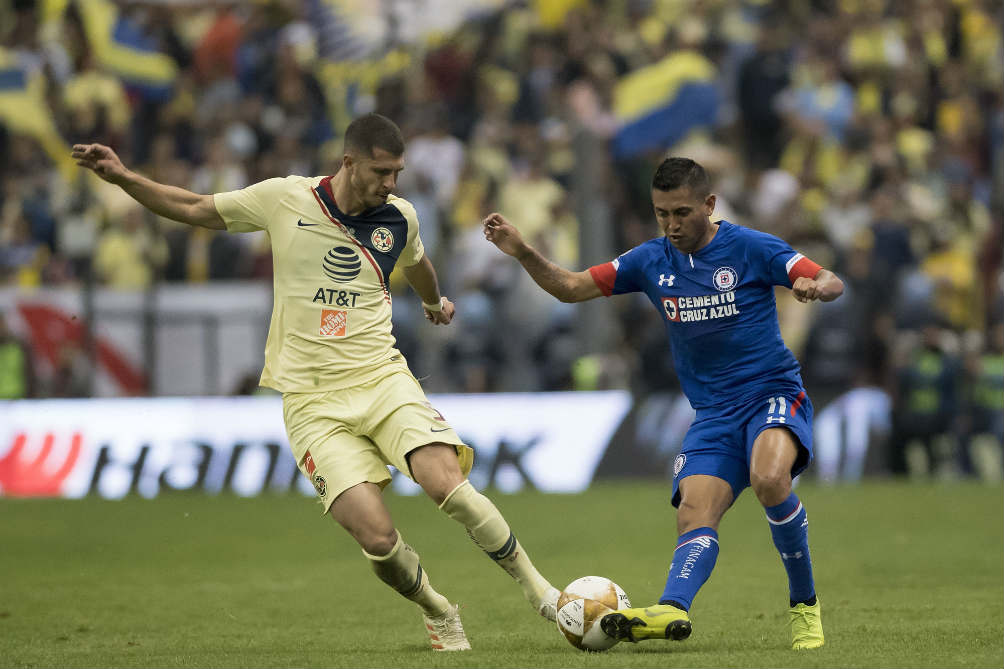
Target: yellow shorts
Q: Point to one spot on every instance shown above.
(345, 437)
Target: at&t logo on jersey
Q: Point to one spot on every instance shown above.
(382, 239)
(725, 279)
(700, 307)
(341, 264)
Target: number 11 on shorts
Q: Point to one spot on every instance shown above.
(776, 410)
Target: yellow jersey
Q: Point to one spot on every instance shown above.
(331, 308)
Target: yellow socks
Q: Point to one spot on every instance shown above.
(488, 529)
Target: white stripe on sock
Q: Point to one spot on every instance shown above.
(790, 517)
(690, 541)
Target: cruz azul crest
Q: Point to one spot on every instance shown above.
(725, 279)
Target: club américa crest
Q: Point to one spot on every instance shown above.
(320, 485)
(382, 240)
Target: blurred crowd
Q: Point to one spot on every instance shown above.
(867, 133)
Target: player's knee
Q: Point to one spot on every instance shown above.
(377, 541)
(691, 515)
(771, 487)
(436, 469)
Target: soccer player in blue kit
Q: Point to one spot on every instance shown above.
(713, 284)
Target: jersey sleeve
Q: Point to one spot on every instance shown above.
(249, 209)
(781, 263)
(413, 247)
(618, 276)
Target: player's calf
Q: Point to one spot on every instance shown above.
(402, 571)
(489, 530)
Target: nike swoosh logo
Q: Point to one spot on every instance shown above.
(304, 225)
(442, 429)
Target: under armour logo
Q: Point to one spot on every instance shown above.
(788, 556)
(664, 280)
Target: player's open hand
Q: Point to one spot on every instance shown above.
(101, 160)
(806, 289)
(503, 234)
(444, 315)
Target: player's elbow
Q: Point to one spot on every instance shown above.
(577, 288)
(203, 214)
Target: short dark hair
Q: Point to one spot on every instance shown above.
(373, 131)
(675, 173)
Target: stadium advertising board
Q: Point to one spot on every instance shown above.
(111, 448)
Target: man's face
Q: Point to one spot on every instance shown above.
(683, 217)
(374, 178)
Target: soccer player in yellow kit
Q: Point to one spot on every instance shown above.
(350, 403)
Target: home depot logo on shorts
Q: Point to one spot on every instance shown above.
(333, 322)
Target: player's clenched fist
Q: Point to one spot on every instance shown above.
(503, 234)
(101, 159)
(443, 315)
(806, 289)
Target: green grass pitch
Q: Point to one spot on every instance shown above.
(908, 575)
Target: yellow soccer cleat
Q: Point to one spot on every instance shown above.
(660, 621)
(806, 624)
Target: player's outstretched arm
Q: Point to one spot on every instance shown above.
(422, 278)
(168, 201)
(825, 287)
(564, 284)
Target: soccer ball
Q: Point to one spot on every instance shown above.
(581, 606)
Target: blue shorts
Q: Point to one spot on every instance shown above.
(720, 440)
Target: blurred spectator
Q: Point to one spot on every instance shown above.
(949, 266)
(892, 245)
(435, 155)
(17, 379)
(984, 393)
(71, 372)
(530, 197)
(130, 252)
(834, 346)
(22, 257)
(762, 78)
(820, 99)
(926, 402)
(211, 255)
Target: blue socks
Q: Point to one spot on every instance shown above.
(697, 551)
(694, 558)
(790, 529)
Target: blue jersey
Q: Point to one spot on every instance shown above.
(719, 310)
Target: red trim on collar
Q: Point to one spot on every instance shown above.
(326, 185)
